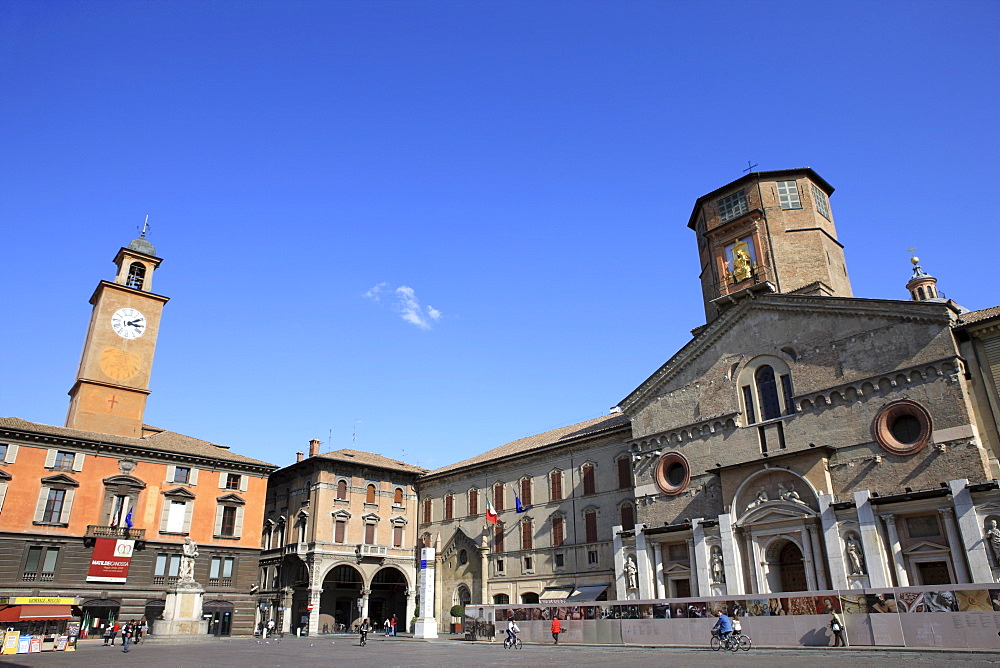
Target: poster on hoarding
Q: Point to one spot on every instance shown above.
(110, 560)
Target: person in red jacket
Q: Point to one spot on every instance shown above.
(556, 628)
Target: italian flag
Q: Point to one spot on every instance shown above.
(491, 515)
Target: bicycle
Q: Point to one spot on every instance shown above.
(512, 641)
(732, 642)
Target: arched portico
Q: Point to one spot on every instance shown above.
(388, 595)
(338, 604)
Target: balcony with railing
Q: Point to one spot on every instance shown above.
(122, 533)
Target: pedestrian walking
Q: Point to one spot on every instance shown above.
(392, 623)
(385, 627)
(127, 632)
(107, 634)
(143, 628)
(114, 632)
(363, 631)
(556, 628)
(837, 626)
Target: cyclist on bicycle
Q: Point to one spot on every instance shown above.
(724, 625)
(512, 630)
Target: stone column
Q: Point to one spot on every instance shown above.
(404, 623)
(758, 566)
(314, 596)
(748, 551)
(700, 563)
(642, 558)
(365, 593)
(659, 590)
(287, 613)
(426, 624)
(878, 575)
(807, 559)
(693, 575)
(731, 556)
(902, 578)
(955, 546)
(620, 584)
(971, 529)
(833, 543)
(818, 561)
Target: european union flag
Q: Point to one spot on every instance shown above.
(128, 519)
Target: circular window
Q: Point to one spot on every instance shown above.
(902, 427)
(672, 473)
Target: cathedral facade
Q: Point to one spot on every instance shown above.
(806, 439)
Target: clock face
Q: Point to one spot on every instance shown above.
(128, 323)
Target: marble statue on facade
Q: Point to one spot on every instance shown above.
(717, 566)
(761, 498)
(855, 556)
(186, 572)
(993, 536)
(789, 494)
(631, 574)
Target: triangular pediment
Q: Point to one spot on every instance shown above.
(459, 539)
(180, 492)
(127, 480)
(5, 477)
(60, 479)
(231, 498)
(677, 568)
(757, 315)
(776, 511)
(925, 546)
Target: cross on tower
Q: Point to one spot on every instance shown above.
(750, 166)
(144, 228)
(911, 249)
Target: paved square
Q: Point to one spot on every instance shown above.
(340, 650)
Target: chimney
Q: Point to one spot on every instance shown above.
(299, 455)
(314, 447)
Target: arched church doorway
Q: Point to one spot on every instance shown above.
(338, 604)
(388, 596)
(791, 569)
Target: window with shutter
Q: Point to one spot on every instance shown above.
(339, 531)
(397, 536)
(526, 491)
(498, 538)
(369, 534)
(526, 535)
(555, 485)
(589, 486)
(628, 517)
(427, 511)
(557, 531)
(590, 519)
(498, 497)
(473, 502)
(449, 507)
(342, 489)
(370, 494)
(624, 473)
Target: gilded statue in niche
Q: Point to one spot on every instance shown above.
(741, 261)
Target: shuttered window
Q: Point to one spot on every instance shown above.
(589, 485)
(473, 502)
(557, 531)
(624, 473)
(555, 485)
(590, 520)
(526, 535)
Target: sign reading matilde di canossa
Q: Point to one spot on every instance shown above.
(111, 560)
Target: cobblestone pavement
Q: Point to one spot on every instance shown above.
(339, 650)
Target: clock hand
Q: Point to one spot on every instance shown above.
(134, 323)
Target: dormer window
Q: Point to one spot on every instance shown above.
(136, 275)
(733, 206)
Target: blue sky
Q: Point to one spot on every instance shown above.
(458, 223)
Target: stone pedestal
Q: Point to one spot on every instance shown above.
(182, 614)
(426, 625)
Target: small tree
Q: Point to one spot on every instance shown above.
(458, 611)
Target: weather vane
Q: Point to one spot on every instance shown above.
(144, 228)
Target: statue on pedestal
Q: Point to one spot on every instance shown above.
(186, 573)
(717, 566)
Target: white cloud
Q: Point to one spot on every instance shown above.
(406, 304)
(376, 292)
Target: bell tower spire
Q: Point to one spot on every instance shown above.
(922, 286)
(109, 395)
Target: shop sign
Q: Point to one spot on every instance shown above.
(36, 600)
(111, 560)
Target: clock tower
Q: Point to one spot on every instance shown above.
(109, 395)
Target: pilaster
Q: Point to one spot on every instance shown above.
(902, 577)
(642, 557)
(969, 526)
(878, 575)
(833, 543)
(732, 561)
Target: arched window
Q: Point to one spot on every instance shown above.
(767, 392)
(342, 489)
(501, 599)
(136, 275)
(370, 495)
(397, 499)
(765, 389)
